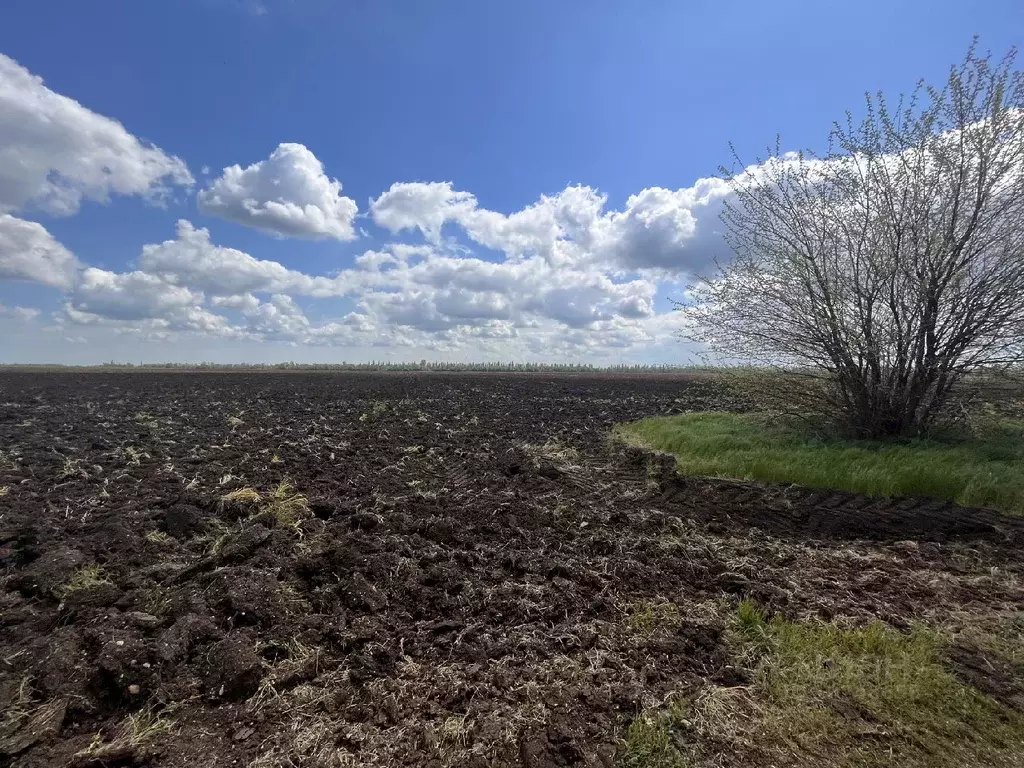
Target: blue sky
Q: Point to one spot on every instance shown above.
(613, 111)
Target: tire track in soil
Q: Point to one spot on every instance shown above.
(794, 512)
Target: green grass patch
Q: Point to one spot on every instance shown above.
(650, 742)
(825, 695)
(876, 696)
(646, 616)
(981, 471)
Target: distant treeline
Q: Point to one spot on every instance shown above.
(422, 365)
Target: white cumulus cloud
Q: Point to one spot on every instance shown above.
(245, 302)
(660, 229)
(425, 206)
(20, 314)
(29, 252)
(441, 291)
(287, 194)
(54, 152)
(129, 295)
(671, 230)
(279, 319)
(192, 260)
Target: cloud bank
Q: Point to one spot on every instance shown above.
(567, 276)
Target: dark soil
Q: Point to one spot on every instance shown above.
(470, 583)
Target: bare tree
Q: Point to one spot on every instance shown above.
(893, 265)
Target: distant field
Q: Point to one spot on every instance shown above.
(373, 367)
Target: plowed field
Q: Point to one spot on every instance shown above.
(312, 569)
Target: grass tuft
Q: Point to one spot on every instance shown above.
(377, 407)
(981, 471)
(647, 616)
(288, 507)
(241, 496)
(85, 577)
(649, 743)
(751, 620)
(135, 732)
